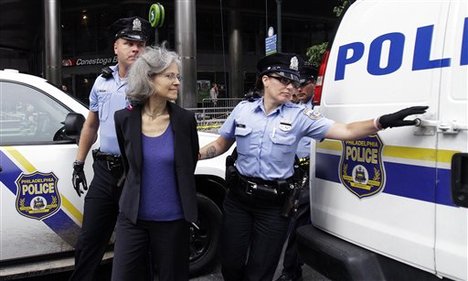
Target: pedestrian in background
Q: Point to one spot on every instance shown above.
(214, 91)
(267, 131)
(107, 95)
(159, 145)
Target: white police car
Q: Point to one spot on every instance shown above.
(41, 213)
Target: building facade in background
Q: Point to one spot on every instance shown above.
(86, 47)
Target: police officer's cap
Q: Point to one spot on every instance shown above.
(133, 28)
(307, 73)
(282, 64)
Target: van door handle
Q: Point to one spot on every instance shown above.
(430, 127)
(459, 179)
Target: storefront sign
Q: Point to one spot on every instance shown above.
(89, 61)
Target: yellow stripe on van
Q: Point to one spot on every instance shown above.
(31, 169)
(330, 145)
(404, 152)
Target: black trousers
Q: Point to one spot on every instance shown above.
(252, 239)
(292, 263)
(101, 208)
(168, 243)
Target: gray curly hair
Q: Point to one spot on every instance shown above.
(153, 60)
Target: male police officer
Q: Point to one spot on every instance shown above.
(305, 94)
(291, 264)
(107, 95)
(307, 85)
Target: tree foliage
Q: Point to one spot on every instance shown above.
(315, 52)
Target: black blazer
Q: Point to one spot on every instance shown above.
(184, 126)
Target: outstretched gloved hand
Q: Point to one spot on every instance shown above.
(78, 177)
(397, 119)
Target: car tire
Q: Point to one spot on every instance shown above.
(204, 236)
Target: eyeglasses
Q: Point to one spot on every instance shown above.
(172, 76)
(285, 81)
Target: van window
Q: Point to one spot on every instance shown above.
(27, 115)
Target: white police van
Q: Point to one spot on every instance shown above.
(393, 206)
(41, 213)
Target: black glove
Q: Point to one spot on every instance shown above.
(78, 177)
(396, 119)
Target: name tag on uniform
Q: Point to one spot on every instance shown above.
(284, 126)
(240, 125)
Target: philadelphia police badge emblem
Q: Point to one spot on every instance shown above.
(37, 196)
(136, 25)
(361, 166)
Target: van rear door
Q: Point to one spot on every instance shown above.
(451, 220)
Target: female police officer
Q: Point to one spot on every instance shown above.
(267, 131)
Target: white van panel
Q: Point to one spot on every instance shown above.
(387, 222)
(392, 236)
(401, 86)
(388, 55)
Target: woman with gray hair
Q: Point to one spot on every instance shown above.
(159, 145)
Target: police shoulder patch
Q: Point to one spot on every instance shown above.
(312, 114)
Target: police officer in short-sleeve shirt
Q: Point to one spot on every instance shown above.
(107, 96)
(267, 132)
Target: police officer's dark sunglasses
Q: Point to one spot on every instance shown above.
(285, 81)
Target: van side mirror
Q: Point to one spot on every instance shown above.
(73, 124)
(459, 179)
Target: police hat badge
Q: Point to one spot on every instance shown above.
(133, 28)
(282, 64)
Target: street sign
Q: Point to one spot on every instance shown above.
(270, 45)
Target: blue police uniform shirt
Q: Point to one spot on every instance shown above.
(106, 97)
(303, 148)
(266, 144)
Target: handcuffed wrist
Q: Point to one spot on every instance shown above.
(78, 163)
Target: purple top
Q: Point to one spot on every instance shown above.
(159, 197)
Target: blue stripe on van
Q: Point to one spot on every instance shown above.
(59, 222)
(411, 181)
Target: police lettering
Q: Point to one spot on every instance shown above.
(38, 188)
(393, 43)
(362, 154)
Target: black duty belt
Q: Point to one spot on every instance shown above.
(113, 161)
(263, 189)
